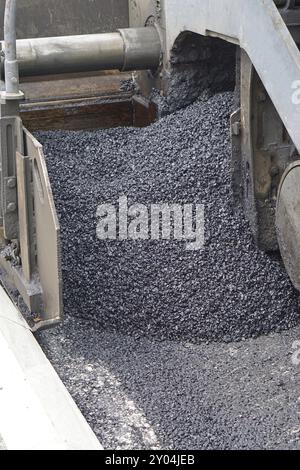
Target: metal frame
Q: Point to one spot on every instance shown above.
(265, 129)
(30, 242)
(268, 43)
(261, 150)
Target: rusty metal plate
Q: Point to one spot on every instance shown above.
(288, 221)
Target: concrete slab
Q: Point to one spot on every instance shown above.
(36, 410)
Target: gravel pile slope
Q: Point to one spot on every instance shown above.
(227, 292)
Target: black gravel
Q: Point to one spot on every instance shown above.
(227, 292)
(135, 391)
(127, 85)
(145, 394)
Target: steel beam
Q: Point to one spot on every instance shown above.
(269, 44)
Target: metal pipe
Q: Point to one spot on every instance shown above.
(142, 48)
(10, 64)
(128, 49)
(69, 54)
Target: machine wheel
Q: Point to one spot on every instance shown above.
(261, 151)
(288, 221)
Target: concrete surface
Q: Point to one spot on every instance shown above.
(36, 411)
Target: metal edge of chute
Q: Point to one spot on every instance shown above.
(288, 221)
(30, 252)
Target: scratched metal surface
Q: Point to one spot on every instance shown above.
(41, 18)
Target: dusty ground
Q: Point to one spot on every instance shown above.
(140, 393)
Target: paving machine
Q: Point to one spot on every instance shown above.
(174, 50)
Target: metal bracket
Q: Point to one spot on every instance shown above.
(32, 266)
(236, 167)
(11, 141)
(46, 259)
(260, 153)
(29, 236)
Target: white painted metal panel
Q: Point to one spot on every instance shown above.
(36, 410)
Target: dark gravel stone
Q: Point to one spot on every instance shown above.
(229, 291)
(127, 85)
(135, 391)
(145, 394)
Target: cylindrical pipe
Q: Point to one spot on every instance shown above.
(43, 56)
(10, 64)
(142, 48)
(133, 48)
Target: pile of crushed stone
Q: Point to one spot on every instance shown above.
(147, 394)
(229, 291)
